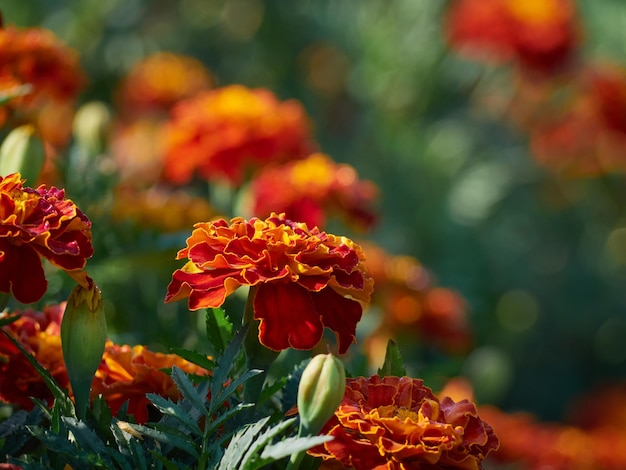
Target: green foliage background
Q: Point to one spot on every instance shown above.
(541, 260)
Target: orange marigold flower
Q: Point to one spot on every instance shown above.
(307, 190)
(221, 133)
(398, 423)
(540, 34)
(411, 304)
(146, 208)
(306, 279)
(158, 81)
(127, 373)
(35, 57)
(38, 333)
(38, 223)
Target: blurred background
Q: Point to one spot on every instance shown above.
(492, 169)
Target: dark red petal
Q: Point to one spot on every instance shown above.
(339, 314)
(288, 317)
(21, 273)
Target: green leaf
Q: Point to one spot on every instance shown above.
(240, 443)
(269, 391)
(219, 329)
(168, 407)
(85, 437)
(194, 357)
(188, 390)
(393, 364)
(168, 436)
(252, 455)
(291, 445)
(228, 391)
(8, 319)
(226, 362)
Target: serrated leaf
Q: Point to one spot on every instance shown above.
(240, 443)
(232, 387)
(169, 465)
(194, 357)
(291, 445)
(393, 364)
(230, 413)
(168, 407)
(85, 437)
(252, 454)
(179, 442)
(226, 362)
(268, 392)
(219, 329)
(188, 390)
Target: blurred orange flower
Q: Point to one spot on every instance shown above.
(127, 373)
(49, 71)
(38, 333)
(159, 80)
(38, 223)
(541, 35)
(398, 423)
(311, 189)
(296, 269)
(222, 133)
(146, 208)
(411, 305)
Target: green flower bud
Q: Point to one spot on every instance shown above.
(320, 392)
(83, 334)
(91, 127)
(22, 152)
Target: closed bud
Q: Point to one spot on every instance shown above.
(320, 392)
(91, 127)
(83, 334)
(22, 152)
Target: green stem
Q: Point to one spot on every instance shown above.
(257, 356)
(296, 459)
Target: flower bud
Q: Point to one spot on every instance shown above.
(22, 152)
(91, 127)
(83, 334)
(320, 392)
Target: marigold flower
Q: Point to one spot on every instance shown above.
(398, 423)
(159, 80)
(540, 34)
(146, 208)
(127, 373)
(219, 134)
(39, 334)
(308, 190)
(35, 57)
(587, 136)
(411, 304)
(306, 279)
(38, 223)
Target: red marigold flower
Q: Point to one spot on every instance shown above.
(307, 190)
(159, 80)
(221, 133)
(398, 423)
(127, 373)
(306, 279)
(38, 223)
(35, 57)
(540, 34)
(38, 333)
(587, 135)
